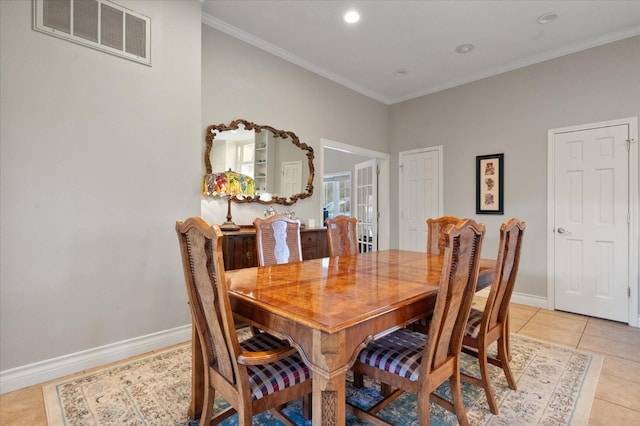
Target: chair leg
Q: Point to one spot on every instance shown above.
(486, 380)
(245, 417)
(506, 332)
(306, 406)
(358, 380)
(456, 395)
(424, 412)
(208, 406)
(504, 357)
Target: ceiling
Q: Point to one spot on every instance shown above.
(420, 37)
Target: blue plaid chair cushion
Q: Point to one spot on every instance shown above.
(399, 352)
(473, 325)
(269, 378)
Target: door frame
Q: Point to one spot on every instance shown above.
(384, 233)
(634, 237)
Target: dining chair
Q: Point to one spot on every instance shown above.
(435, 233)
(418, 363)
(436, 229)
(277, 240)
(491, 324)
(342, 235)
(258, 374)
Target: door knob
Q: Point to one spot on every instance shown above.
(562, 231)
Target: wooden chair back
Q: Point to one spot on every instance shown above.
(504, 279)
(232, 369)
(463, 243)
(492, 325)
(435, 233)
(342, 235)
(392, 359)
(201, 248)
(278, 240)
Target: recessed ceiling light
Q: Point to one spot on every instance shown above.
(464, 48)
(546, 18)
(402, 72)
(351, 17)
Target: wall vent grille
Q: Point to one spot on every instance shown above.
(99, 24)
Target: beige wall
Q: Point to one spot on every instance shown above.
(242, 81)
(99, 157)
(511, 113)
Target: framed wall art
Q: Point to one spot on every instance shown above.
(490, 184)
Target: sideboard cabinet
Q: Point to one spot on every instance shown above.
(239, 247)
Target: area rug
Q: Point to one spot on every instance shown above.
(556, 386)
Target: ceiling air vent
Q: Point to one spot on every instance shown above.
(100, 24)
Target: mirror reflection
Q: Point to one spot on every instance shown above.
(281, 167)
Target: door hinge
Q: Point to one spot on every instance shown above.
(401, 167)
(378, 170)
(628, 141)
(628, 291)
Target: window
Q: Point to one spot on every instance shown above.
(337, 194)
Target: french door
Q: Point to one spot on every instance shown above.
(366, 203)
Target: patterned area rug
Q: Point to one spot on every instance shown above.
(556, 386)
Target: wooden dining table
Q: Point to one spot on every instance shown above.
(330, 309)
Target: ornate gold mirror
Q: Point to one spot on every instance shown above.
(273, 164)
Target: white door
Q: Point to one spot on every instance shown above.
(291, 178)
(591, 221)
(366, 203)
(420, 195)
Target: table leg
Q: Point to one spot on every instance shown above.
(197, 378)
(329, 400)
(329, 403)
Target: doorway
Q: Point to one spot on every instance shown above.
(339, 158)
(593, 199)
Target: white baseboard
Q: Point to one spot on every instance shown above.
(42, 371)
(521, 298)
(529, 300)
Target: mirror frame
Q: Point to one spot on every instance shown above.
(283, 134)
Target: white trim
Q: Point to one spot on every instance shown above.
(529, 300)
(565, 50)
(314, 68)
(384, 225)
(634, 237)
(520, 298)
(289, 57)
(42, 371)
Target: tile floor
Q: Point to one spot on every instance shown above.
(617, 400)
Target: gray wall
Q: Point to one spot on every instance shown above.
(99, 157)
(511, 113)
(242, 81)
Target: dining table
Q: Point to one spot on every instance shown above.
(331, 308)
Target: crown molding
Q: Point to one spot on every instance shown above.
(288, 56)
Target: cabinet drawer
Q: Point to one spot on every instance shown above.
(309, 239)
(310, 253)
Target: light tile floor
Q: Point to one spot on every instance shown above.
(617, 400)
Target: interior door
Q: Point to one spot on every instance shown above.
(291, 177)
(366, 203)
(420, 195)
(591, 222)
